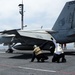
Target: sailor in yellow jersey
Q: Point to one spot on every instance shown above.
(38, 54)
(37, 50)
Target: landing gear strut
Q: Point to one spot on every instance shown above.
(9, 49)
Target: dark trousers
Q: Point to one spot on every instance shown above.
(39, 57)
(56, 58)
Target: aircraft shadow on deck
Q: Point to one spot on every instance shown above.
(29, 55)
(22, 56)
(70, 53)
(26, 56)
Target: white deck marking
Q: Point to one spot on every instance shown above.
(28, 68)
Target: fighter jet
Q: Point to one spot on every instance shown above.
(25, 40)
(63, 31)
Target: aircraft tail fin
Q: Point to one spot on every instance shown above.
(66, 19)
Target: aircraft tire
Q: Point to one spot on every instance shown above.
(52, 51)
(9, 51)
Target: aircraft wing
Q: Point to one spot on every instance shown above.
(14, 31)
(39, 34)
(20, 36)
(36, 34)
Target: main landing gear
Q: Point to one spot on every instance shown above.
(9, 49)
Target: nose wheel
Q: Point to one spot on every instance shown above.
(9, 51)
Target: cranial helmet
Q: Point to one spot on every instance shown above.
(35, 46)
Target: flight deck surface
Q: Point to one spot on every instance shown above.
(18, 63)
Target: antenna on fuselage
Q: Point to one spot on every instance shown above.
(21, 11)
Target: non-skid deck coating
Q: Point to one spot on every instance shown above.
(18, 63)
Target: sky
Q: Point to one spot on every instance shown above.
(37, 13)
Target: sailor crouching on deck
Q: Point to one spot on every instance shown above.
(38, 54)
(58, 54)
